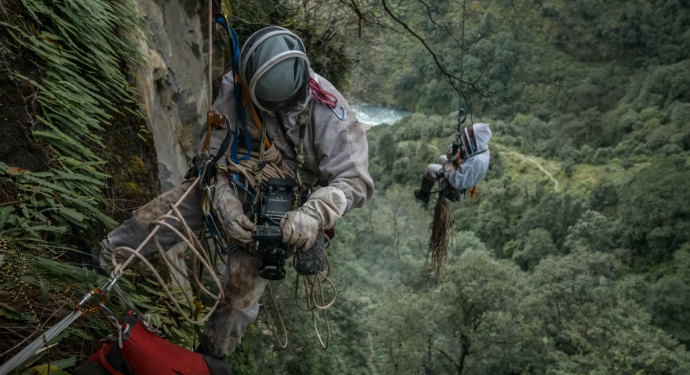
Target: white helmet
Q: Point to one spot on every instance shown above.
(275, 67)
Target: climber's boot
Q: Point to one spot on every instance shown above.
(424, 194)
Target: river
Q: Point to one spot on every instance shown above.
(372, 115)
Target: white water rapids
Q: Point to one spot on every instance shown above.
(372, 115)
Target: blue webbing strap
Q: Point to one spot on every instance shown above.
(240, 114)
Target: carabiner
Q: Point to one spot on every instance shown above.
(341, 117)
(204, 180)
(109, 285)
(87, 297)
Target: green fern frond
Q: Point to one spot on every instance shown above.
(80, 51)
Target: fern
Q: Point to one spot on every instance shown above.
(77, 46)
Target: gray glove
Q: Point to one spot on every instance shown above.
(321, 211)
(300, 228)
(451, 156)
(229, 210)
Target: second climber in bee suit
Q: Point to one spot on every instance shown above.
(474, 163)
(275, 70)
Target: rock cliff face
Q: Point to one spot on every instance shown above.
(173, 82)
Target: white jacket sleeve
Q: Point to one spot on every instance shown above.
(343, 153)
(471, 172)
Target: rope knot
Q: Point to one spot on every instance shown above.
(259, 178)
(303, 118)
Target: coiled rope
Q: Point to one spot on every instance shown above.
(271, 169)
(311, 283)
(198, 252)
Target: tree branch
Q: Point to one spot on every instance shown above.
(452, 79)
(448, 357)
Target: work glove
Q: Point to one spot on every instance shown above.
(229, 210)
(451, 155)
(301, 226)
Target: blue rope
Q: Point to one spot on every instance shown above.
(236, 181)
(211, 225)
(240, 114)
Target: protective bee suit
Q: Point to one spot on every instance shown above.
(473, 167)
(275, 72)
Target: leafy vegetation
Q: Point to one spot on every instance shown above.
(80, 90)
(64, 86)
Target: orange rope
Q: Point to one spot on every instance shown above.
(246, 101)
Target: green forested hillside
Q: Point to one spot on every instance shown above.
(572, 259)
(590, 92)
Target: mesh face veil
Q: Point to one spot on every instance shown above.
(275, 67)
(469, 141)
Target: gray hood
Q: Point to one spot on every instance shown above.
(482, 134)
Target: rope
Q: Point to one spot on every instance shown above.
(271, 169)
(120, 267)
(144, 318)
(270, 320)
(258, 167)
(198, 253)
(310, 290)
(320, 94)
(311, 297)
(210, 53)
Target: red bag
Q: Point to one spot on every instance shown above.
(145, 353)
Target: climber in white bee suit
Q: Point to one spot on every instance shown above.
(275, 69)
(474, 163)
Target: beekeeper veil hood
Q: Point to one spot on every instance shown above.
(475, 138)
(275, 67)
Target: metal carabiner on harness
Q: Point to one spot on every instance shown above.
(208, 172)
(86, 298)
(339, 116)
(110, 284)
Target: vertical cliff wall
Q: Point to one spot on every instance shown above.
(173, 81)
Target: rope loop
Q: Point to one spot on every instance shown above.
(186, 235)
(270, 320)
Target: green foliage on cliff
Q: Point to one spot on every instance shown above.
(81, 88)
